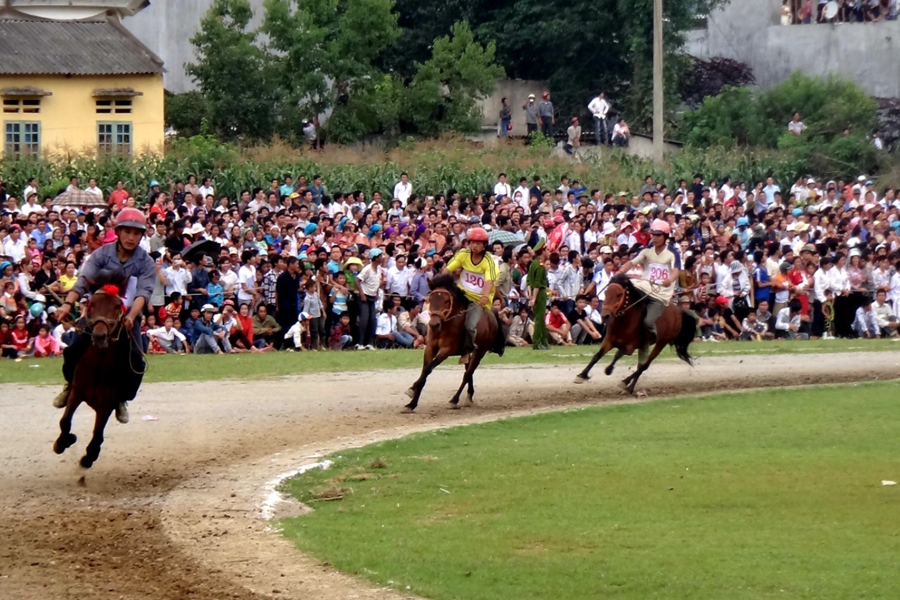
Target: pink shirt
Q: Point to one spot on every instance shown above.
(46, 345)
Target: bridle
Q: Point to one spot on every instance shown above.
(114, 325)
(444, 313)
(624, 305)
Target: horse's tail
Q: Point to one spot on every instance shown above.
(685, 336)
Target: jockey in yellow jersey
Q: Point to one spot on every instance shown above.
(476, 273)
(659, 277)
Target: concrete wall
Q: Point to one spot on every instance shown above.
(749, 31)
(516, 92)
(167, 26)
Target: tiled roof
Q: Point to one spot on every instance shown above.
(72, 48)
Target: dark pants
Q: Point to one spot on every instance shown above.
(530, 128)
(817, 327)
(601, 131)
(655, 309)
(130, 362)
(547, 126)
(367, 321)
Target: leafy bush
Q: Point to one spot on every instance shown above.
(187, 113)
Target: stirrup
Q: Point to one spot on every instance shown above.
(63, 397)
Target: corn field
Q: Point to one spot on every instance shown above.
(434, 167)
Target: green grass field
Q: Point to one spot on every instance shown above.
(775, 494)
(261, 366)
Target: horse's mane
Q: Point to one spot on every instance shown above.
(115, 277)
(447, 282)
(634, 293)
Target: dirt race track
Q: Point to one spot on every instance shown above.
(172, 508)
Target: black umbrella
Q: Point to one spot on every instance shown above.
(208, 247)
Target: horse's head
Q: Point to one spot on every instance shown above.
(440, 307)
(616, 301)
(105, 311)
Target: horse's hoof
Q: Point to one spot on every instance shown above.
(454, 407)
(579, 379)
(410, 393)
(63, 442)
(470, 401)
(86, 462)
(624, 386)
(609, 370)
(408, 409)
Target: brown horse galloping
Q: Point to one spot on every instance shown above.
(96, 379)
(446, 331)
(623, 313)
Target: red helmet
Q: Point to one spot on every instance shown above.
(131, 217)
(660, 226)
(477, 234)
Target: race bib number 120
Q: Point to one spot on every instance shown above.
(474, 282)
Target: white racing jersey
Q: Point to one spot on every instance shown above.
(657, 268)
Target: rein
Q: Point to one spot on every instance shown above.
(625, 306)
(114, 325)
(444, 314)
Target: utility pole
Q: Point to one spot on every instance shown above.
(658, 80)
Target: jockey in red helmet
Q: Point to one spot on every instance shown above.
(659, 276)
(476, 273)
(126, 257)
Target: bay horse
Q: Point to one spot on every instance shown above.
(446, 336)
(623, 313)
(96, 379)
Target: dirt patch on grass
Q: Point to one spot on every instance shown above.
(171, 509)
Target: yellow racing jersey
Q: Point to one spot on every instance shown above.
(473, 278)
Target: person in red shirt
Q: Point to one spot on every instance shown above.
(119, 196)
(21, 340)
(800, 284)
(558, 325)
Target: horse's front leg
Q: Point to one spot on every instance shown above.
(585, 374)
(609, 368)
(93, 449)
(628, 384)
(66, 437)
(431, 362)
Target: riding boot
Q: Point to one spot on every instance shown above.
(651, 334)
(63, 397)
(121, 413)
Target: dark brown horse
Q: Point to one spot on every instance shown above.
(623, 312)
(96, 380)
(446, 335)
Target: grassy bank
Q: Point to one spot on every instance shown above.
(751, 496)
(262, 366)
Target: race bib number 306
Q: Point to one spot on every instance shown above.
(658, 272)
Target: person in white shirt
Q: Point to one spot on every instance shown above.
(206, 189)
(885, 317)
(403, 189)
(93, 190)
(796, 126)
(788, 322)
(399, 277)
(169, 339)
(31, 188)
(247, 292)
(31, 206)
(15, 244)
(525, 197)
(501, 188)
(178, 277)
(599, 107)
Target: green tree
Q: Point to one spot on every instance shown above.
(323, 51)
(187, 113)
(233, 72)
(444, 94)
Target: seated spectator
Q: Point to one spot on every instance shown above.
(340, 337)
(386, 332)
(210, 336)
(864, 323)
(7, 348)
(885, 318)
(558, 327)
(21, 342)
(296, 332)
(582, 326)
(407, 322)
(45, 344)
(521, 329)
(266, 330)
(621, 134)
(167, 339)
(753, 329)
(787, 322)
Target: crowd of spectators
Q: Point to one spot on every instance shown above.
(806, 12)
(297, 266)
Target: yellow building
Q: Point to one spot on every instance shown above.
(78, 86)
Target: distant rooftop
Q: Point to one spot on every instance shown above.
(77, 8)
(40, 47)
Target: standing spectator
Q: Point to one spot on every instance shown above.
(317, 189)
(796, 126)
(119, 196)
(403, 190)
(505, 117)
(247, 291)
(538, 284)
(206, 189)
(312, 305)
(547, 115)
(369, 280)
(599, 108)
(531, 115)
(501, 188)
